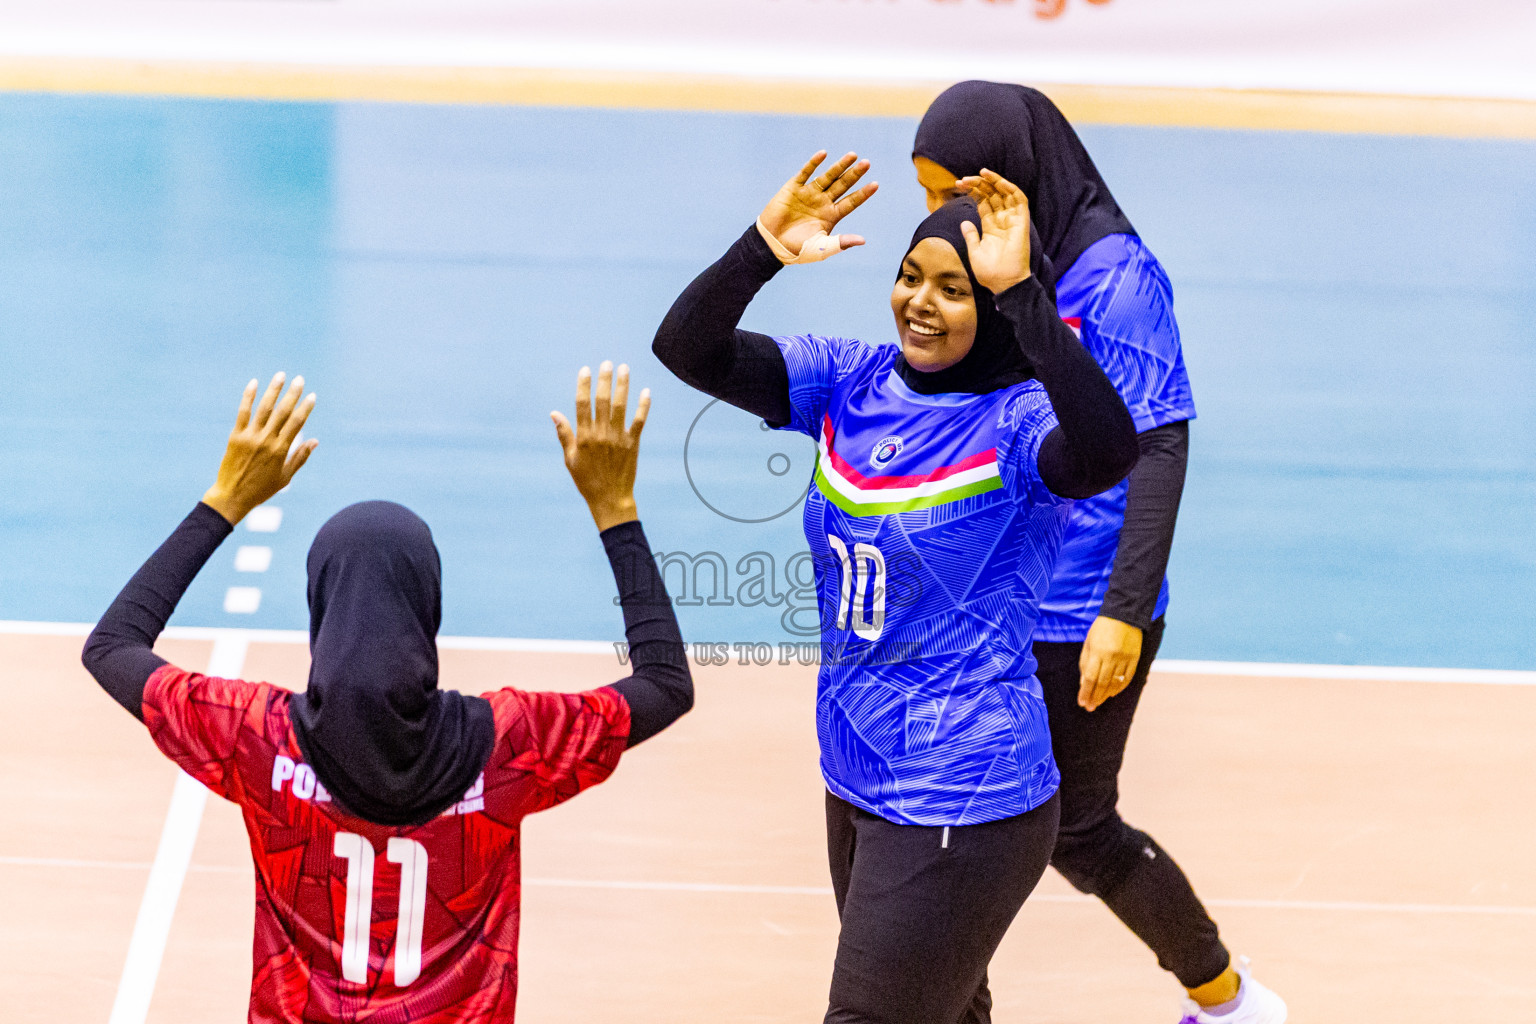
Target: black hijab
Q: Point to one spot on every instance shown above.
(386, 742)
(994, 360)
(1017, 132)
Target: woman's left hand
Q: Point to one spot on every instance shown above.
(999, 256)
(600, 452)
(1110, 656)
(261, 456)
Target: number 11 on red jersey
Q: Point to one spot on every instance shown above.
(412, 858)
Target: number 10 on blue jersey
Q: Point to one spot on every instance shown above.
(861, 571)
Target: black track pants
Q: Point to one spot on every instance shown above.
(923, 911)
(1098, 852)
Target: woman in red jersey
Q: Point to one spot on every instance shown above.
(383, 812)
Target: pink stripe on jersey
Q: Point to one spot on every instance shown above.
(863, 482)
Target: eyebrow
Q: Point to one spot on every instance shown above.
(943, 275)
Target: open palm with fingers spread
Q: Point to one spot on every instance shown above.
(601, 453)
(261, 456)
(801, 215)
(1000, 255)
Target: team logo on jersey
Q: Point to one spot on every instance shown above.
(886, 449)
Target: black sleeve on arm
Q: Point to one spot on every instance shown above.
(659, 690)
(1151, 509)
(699, 342)
(1094, 445)
(120, 650)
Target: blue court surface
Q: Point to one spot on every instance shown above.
(1357, 318)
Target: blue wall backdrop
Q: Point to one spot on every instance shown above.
(1357, 315)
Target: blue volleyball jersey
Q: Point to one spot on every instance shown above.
(933, 538)
(1117, 297)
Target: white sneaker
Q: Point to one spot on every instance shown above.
(1258, 1005)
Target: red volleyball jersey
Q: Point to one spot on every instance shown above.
(363, 922)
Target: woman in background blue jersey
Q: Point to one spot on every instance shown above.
(1102, 621)
(940, 494)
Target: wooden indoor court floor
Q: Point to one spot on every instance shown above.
(1369, 844)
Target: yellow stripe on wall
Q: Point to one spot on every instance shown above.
(1088, 104)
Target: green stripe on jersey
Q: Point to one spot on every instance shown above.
(885, 508)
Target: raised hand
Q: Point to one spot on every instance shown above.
(260, 457)
(808, 207)
(600, 452)
(1000, 255)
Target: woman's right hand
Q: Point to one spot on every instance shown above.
(999, 254)
(806, 207)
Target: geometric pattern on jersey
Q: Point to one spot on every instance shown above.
(1117, 296)
(933, 538)
(859, 495)
(319, 870)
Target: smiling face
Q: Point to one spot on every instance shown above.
(935, 309)
(938, 183)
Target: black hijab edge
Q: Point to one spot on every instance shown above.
(994, 361)
(460, 730)
(1020, 133)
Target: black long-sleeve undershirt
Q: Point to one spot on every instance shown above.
(1094, 444)
(698, 339)
(120, 650)
(1092, 449)
(659, 689)
(1146, 537)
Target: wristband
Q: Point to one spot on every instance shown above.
(818, 247)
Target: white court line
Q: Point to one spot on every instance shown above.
(1383, 673)
(808, 890)
(758, 890)
(1373, 908)
(111, 865)
(242, 600)
(264, 519)
(71, 863)
(20, 628)
(146, 948)
(1174, 666)
(1323, 906)
(253, 558)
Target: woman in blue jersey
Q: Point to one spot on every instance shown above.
(1102, 620)
(943, 483)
